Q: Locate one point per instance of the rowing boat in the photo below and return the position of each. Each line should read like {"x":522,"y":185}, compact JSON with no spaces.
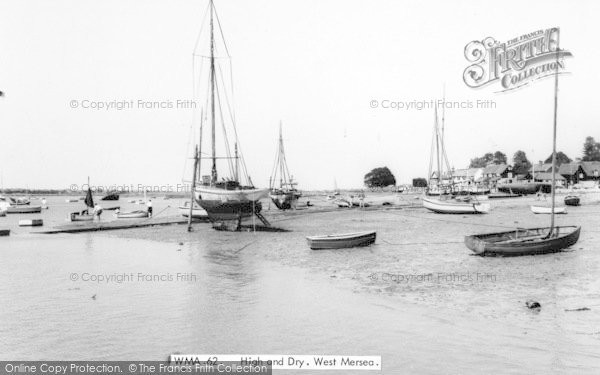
{"x":523,"y":241}
{"x":24,"y":209}
{"x":132,"y":215}
{"x":341,"y":241}
{"x":548,"y":210}
{"x":572,"y":200}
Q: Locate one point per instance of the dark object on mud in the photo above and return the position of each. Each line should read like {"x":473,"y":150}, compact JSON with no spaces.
{"x":572,"y":200}
{"x":110,"y":197}
{"x":579,"y":309}
{"x":533,"y":305}
{"x":247,"y":228}
{"x":4,"y":232}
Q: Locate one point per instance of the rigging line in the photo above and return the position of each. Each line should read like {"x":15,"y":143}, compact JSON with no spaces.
{"x":201,"y":28}
{"x":226,"y":138}
{"x":233,"y":121}
{"x":221,"y":31}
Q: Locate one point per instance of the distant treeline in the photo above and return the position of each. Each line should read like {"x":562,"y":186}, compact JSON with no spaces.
{"x":591,"y":152}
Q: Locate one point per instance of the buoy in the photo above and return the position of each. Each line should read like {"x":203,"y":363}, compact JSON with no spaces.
{"x":31,"y":223}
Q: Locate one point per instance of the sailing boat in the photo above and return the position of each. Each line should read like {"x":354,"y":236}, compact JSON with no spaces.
{"x":85,"y":214}
{"x":536,"y":240}
{"x":286,"y":195}
{"x":436,"y":186}
{"x":226,"y":199}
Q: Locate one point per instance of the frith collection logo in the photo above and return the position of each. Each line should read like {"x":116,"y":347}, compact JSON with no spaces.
{"x":515,"y":63}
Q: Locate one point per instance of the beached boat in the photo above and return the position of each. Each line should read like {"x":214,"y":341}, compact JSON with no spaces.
{"x":112,"y":208}
{"x":523,"y":241}
{"x":71,"y":200}
{"x":132,"y":215}
{"x":223,"y":199}
{"x":503,"y":195}
{"x":530,"y":241}
{"x":110,"y":197}
{"x":285,"y":196}
{"x":548,"y":210}
{"x":4,"y":232}
{"x":197,"y":211}
{"x":572,"y":200}
{"x":341,"y":241}
{"x":524,"y":187}
{"x":455,"y":207}
{"x":78,"y":216}
{"x":24,"y":209}
{"x":31,"y":223}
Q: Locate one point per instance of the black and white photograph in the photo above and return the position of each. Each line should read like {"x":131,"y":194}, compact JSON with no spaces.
{"x":299,"y":187}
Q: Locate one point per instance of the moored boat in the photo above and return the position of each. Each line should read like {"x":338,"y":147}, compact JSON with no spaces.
{"x":31,"y":223}
{"x":110,"y":197}
{"x":78,"y":216}
{"x":341,"y":241}
{"x":132,"y":214}
{"x":455,"y":207}
{"x":223,"y":199}
{"x":523,"y":241}
{"x":285,"y":196}
{"x":548,"y":210}
{"x":4,"y":232}
{"x":503,"y":195}
{"x":572,"y":200}
{"x":24,"y":209}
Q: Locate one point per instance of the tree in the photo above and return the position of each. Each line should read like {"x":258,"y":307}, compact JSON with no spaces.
{"x":520,"y":163}
{"x":591,"y":150}
{"x":561,"y":158}
{"x":500,"y":158}
{"x":419,"y":182}
{"x":379,"y":177}
{"x":497,"y":157}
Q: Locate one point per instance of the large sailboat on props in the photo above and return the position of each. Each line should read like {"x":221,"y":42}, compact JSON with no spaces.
{"x":284,"y":194}
{"x":225,"y":199}
{"x":523,"y":241}
{"x":440,"y":184}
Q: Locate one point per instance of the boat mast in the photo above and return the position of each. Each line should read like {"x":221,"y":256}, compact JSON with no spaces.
{"x":437,"y":148}
{"x":212,"y":96}
{"x":554,"y":136}
{"x":281,"y":169}
{"x":443,"y":153}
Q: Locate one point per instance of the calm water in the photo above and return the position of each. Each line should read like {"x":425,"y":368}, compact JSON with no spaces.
{"x":261,"y":293}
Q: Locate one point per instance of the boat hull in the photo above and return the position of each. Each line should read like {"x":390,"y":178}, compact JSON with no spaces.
{"x":446,"y":207}
{"x":285,"y":201}
{"x":24,"y":209}
{"x":132,"y":215}
{"x":548,"y":210}
{"x":224,"y":205}
{"x":523,"y":241}
{"x":78,"y":217}
{"x":525,"y":188}
{"x":342,"y":241}
{"x":572,"y":201}
{"x":110,"y":197}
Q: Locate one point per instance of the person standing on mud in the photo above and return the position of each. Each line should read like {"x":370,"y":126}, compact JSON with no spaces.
{"x":149,"y":205}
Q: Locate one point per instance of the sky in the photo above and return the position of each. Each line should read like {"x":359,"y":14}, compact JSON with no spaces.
{"x":315,"y":66}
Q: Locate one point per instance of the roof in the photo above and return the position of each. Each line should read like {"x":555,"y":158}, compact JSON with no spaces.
{"x":495,"y":169}
{"x":546,"y":167}
{"x":547,"y":176}
{"x":589,"y":167}
{"x":568,"y":169}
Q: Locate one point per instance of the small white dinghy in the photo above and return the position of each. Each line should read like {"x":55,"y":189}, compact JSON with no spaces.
{"x":132,"y":215}
{"x":548,"y":210}
{"x":455,"y":207}
{"x":341,"y":241}
{"x":31,"y":223}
